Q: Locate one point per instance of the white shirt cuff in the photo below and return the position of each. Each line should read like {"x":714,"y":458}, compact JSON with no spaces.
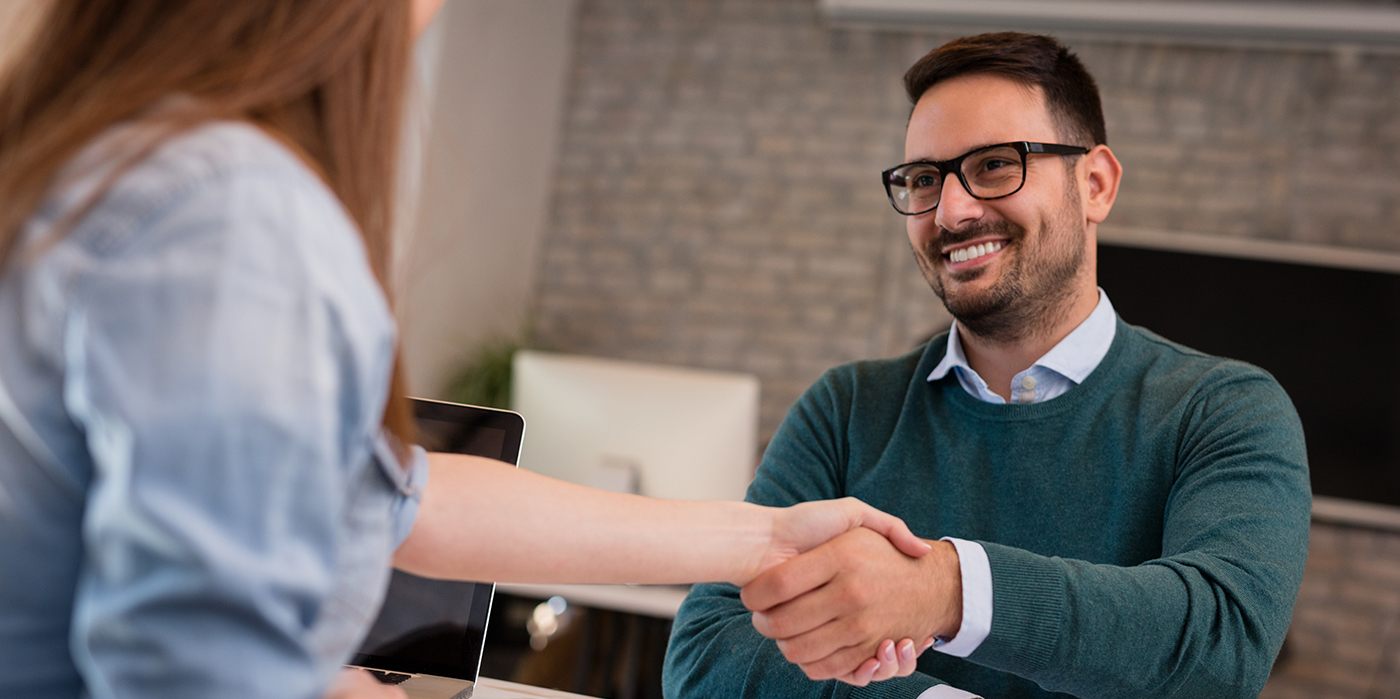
{"x":944,"y":691}
{"x":977,"y":601}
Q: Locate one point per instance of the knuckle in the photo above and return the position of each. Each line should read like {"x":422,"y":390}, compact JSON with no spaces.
{"x":784,"y":586}
{"x":823,"y":670}
{"x":792,"y":651}
{"x":828,"y":668}
{"x":762,"y":624}
{"x":859,"y":595}
{"x":747,"y":596}
{"x":778,"y":627}
{"x":758,"y":596}
{"x":781,"y":627}
{"x":862,"y":627}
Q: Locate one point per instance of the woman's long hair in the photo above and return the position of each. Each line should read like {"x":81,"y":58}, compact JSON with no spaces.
{"x":326,"y":77}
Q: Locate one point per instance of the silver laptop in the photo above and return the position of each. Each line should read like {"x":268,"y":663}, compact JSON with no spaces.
{"x":429,"y":635}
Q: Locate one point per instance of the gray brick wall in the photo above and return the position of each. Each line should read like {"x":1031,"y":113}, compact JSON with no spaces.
{"x":717,"y":201}
{"x":1345,"y":639}
{"x":717,"y":205}
{"x":1300,"y":147}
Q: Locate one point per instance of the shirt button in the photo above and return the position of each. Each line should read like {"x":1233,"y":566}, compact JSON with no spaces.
{"x":1028,"y":382}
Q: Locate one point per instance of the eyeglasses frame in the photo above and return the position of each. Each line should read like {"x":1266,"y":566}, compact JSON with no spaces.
{"x":954,"y":166}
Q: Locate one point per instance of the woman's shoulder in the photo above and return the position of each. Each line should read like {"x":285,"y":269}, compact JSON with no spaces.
{"x":216,"y":150}
{"x":220,"y":201}
{"x":132,"y":175}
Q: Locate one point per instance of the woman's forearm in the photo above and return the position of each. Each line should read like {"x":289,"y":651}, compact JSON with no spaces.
{"x":484,"y":520}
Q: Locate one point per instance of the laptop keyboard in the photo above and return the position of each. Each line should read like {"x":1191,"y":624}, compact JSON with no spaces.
{"x":390,"y":677}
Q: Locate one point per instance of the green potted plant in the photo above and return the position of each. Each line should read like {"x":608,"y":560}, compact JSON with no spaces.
{"x":484,"y":378}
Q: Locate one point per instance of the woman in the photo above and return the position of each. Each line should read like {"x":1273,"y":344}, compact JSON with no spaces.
{"x":204,"y":468}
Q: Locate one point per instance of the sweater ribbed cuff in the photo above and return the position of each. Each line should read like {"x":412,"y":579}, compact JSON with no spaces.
{"x":893,"y":688}
{"x":1029,"y":601}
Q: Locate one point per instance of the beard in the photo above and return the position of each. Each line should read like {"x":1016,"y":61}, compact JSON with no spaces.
{"x":1036,"y":282}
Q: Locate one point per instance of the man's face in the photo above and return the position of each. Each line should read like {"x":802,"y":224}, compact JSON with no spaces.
{"x":1036,"y":236}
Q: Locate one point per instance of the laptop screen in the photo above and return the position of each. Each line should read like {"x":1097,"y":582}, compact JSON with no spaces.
{"x":436,"y":627}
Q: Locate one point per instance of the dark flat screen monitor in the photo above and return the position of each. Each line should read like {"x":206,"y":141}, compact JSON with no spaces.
{"x":1329,"y":332}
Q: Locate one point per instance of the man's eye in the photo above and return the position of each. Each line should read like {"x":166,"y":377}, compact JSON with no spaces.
{"x":924,"y":180}
{"x":996,"y":164}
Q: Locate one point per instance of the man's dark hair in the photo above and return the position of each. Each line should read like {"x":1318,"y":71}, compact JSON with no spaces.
{"x":1030,"y":59}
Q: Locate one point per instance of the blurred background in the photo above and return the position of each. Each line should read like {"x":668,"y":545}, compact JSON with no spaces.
{"x":694,"y":183}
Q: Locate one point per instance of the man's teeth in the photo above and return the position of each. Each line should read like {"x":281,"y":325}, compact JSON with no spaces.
{"x":973,"y":252}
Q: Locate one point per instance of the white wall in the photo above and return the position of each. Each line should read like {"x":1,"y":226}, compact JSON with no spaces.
{"x":495,"y":103}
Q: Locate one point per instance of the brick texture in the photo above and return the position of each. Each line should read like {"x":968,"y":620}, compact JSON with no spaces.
{"x":717,"y":201}
{"x":1345,"y":639}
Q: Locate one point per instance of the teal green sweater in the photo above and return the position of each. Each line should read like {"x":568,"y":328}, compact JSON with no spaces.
{"x":1146,"y":530}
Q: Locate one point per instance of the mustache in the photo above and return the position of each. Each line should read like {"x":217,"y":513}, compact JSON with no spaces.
{"x":981,"y":229}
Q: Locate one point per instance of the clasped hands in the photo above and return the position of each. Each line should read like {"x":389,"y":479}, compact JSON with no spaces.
{"x":834,"y":609}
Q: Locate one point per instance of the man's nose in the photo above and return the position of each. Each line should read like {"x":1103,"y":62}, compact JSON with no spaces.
{"x":956,"y":207}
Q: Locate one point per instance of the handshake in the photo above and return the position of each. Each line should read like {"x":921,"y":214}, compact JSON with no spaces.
{"x":841,"y":581}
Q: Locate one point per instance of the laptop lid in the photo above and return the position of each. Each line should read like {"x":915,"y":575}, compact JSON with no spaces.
{"x":436,"y":627}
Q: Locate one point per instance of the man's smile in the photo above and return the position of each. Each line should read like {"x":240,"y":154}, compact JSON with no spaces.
{"x":973,"y":253}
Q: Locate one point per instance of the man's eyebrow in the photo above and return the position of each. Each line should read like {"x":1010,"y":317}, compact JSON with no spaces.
{"x":928,"y":159}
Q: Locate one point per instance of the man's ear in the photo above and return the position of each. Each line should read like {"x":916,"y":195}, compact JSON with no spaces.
{"x":1102,"y":173}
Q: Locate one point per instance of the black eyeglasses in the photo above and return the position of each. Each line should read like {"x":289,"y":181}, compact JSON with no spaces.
{"x":989,"y":172}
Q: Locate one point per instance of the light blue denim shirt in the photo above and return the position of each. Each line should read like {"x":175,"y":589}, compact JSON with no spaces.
{"x":195,"y":496}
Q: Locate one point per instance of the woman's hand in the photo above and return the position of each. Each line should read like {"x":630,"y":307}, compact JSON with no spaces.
{"x":358,"y":684}
{"x":810,"y":524}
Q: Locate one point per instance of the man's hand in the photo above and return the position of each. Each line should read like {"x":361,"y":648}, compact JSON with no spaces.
{"x":830,"y":608}
{"x":358,"y":684}
{"x":807,"y":525}
{"x":891,"y":660}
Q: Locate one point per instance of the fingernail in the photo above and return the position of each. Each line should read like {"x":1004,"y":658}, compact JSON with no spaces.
{"x":889,"y":653}
{"x":907,"y":650}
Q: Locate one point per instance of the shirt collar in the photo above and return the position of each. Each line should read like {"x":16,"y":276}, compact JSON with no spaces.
{"x":954,"y":357}
{"x":1074,"y":357}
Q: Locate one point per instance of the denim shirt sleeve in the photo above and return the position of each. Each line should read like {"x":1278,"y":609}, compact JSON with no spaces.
{"x":410,"y":478}
{"x":226,"y":354}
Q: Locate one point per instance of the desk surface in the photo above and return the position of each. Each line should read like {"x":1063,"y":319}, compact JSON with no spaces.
{"x":487,"y":688}
{"x":424,"y":687}
{"x":659,"y":601}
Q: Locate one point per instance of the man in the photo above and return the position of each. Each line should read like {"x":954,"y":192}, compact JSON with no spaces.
{"x":1126,"y":517}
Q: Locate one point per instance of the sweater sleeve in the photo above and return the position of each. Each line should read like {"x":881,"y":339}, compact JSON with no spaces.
{"x":1207,"y":618}
{"x":714,"y":649}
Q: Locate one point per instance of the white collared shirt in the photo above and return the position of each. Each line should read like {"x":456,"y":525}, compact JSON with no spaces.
{"x":1065,"y":366}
